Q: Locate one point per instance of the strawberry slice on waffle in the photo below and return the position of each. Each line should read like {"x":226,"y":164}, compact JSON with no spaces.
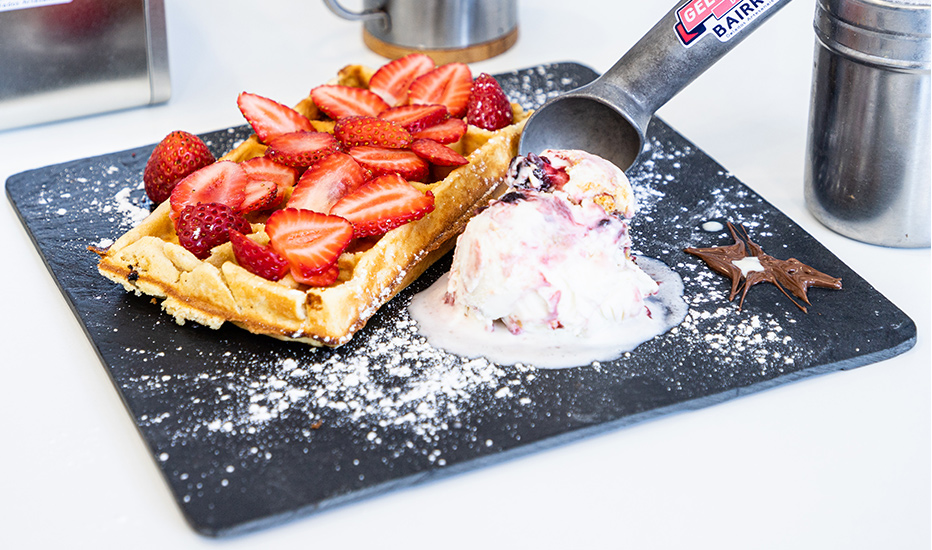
{"x":301,"y":149}
{"x":257,"y":259}
{"x":392,"y":80}
{"x":310,"y":242}
{"x":222,"y":182}
{"x":270,"y":118}
{"x":266,"y":169}
{"x":381,"y":160}
{"x":326,"y":182}
{"x":366,"y":130}
{"x":338,"y":101}
{"x":448,"y":85}
{"x":260,"y":195}
{"x":449,"y":131}
{"x":437,"y":153}
{"x":415,"y":118}
{"x":383,"y":204}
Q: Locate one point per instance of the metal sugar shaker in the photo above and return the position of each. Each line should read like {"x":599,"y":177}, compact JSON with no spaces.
{"x":867,"y":171}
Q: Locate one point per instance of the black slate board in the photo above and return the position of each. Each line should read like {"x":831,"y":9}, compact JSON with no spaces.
{"x":249,"y":431}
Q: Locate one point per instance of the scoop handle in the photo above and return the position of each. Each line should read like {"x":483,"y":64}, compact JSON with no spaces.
{"x":689,"y":39}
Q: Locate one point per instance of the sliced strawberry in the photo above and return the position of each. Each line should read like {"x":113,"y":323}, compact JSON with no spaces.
{"x":260,"y":195}
{"x":448,"y":131}
{"x":269,"y":118}
{"x":178,"y":154}
{"x":488,"y":106}
{"x":311,"y":242}
{"x":264,"y":168}
{"x":392,"y":80}
{"x":437,"y":153}
{"x":326,"y":182}
{"x":367,"y":130}
{"x":200,"y":227}
{"x":257,"y":259}
{"x":301,"y":149}
{"x":222,"y":182}
{"x":391,"y":161}
{"x":324,"y":278}
{"x":415,"y":118}
{"x":447,"y":85}
{"x":383,"y":204}
{"x":340,"y":101}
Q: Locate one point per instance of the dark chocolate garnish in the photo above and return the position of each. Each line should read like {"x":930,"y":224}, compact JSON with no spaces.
{"x":791,"y":274}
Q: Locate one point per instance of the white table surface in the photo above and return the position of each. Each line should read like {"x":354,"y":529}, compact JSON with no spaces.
{"x":838,"y":461}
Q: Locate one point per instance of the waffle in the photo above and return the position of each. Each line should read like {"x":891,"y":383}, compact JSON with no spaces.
{"x":148,"y":259}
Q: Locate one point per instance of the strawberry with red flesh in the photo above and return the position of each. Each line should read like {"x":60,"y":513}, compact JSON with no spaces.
{"x":326,"y":182}
{"x":415,"y":118}
{"x":383,"y":204}
{"x":381,"y":160}
{"x":310,"y":242}
{"x":338,"y":101}
{"x":222,"y":182}
{"x":448,"y":85}
{"x":257,"y":259}
{"x":260,"y":195}
{"x":449,"y":131}
{"x":179,"y":154}
{"x":488,"y":106}
{"x":301,"y":149}
{"x":392,"y":80}
{"x":201,"y":227}
{"x":268,"y":184}
{"x":437,"y":153}
{"x":366,"y":130}
{"x":324,"y":278}
{"x":266,"y":169}
{"x":269,"y":118}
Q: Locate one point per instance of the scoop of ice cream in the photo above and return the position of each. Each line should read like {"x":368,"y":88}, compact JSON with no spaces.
{"x":581,"y":175}
{"x":554,"y":258}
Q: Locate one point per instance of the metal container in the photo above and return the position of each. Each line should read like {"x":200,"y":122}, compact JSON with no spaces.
{"x":868,"y":171}
{"x":447,"y":30}
{"x":61,"y":59}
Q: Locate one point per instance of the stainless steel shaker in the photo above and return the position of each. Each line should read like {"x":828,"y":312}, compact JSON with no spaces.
{"x":67,"y":59}
{"x":868,"y":157}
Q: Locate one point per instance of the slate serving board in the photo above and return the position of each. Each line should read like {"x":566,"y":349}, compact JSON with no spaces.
{"x":249,"y":431}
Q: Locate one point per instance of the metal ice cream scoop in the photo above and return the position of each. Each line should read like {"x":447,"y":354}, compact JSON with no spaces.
{"x":609,"y":116}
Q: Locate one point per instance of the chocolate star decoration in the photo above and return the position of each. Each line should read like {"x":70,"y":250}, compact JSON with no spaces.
{"x":746,"y":263}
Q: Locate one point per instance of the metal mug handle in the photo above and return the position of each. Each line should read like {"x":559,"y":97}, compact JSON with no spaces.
{"x":376,"y":14}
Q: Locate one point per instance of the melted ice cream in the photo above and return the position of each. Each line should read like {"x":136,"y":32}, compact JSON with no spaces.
{"x":550,"y":263}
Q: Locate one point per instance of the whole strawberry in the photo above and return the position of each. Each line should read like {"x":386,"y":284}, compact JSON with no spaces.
{"x":176,"y":156}
{"x":202,"y":226}
{"x":488,"y":105}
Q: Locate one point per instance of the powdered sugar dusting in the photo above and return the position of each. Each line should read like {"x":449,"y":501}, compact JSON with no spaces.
{"x":232,"y":418}
{"x":396,"y":393}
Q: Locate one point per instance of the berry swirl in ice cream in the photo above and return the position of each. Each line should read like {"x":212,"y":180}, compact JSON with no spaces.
{"x":551,"y":259}
{"x":549,"y":254}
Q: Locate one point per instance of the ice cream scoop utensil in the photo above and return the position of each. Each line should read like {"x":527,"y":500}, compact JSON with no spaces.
{"x":609,"y":116}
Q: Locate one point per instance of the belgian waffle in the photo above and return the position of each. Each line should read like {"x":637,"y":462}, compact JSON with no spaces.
{"x":149,"y":260}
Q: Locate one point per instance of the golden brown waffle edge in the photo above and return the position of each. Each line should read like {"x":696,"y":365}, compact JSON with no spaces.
{"x":148,"y":259}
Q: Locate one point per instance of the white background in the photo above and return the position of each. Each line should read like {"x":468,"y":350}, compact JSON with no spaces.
{"x":839,"y":461}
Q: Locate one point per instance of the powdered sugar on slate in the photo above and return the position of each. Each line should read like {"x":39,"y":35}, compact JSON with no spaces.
{"x":389,"y":389}
{"x":390,"y":395}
